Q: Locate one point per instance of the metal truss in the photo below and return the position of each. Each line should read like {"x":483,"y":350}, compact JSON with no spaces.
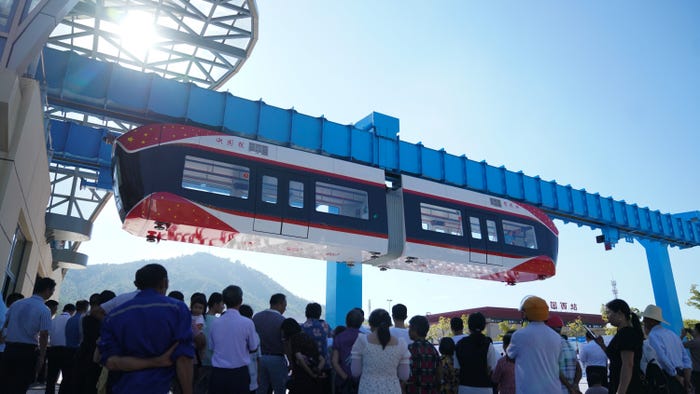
{"x":117,"y":125}
{"x":70,"y":198}
{"x":200,"y":41}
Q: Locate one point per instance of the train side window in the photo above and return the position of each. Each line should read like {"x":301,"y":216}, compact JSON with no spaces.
{"x":441,"y":219}
{"x":475,"y":227}
{"x":269,"y":189}
{"x":211,"y":176}
{"x":492,"y":232}
{"x":341,"y":200}
{"x":519,"y":234}
{"x":296,"y":194}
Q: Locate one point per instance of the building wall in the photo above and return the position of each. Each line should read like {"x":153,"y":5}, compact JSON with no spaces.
{"x":24,"y":179}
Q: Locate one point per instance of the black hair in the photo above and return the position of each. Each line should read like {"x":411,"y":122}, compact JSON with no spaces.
{"x":589,"y":335}
{"x":313,"y":310}
{"x":447,"y":346}
{"x":338,"y":329}
{"x":697,"y":327}
{"x":290,"y":327}
{"x":246,"y":311}
{"x":199,"y":298}
{"x":506,"y":338}
{"x":476,"y":322}
{"x":82,"y":305}
{"x":233,"y":296}
{"x":106,"y":295}
{"x":618,"y":305}
{"x":95,"y":299}
{"x":456,"y":324}
{"x":380,"y":320}
{"x":214,"y":298}
{"x":399,"y":311}
{"x":12,"y":298}
{"x":51,"y":304}
{"x":70,"y":308}
{"x":277,"y":299}
{"x":354,"y":318}
{"x":44,"y":284}
{"x":150,"y":276}
{"x":594,"y":377}
{"x":176,"y":294}
{"x":419,"y":325}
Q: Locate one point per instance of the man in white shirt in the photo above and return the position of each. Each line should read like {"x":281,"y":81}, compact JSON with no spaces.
{"x":57,"y":354}
{"x":399,"y":313}
{"x":672,"y":357}
{"x":457,"y":327}
{"x":536,"y":349}
{"x":594,"y":361}
{"x":233,"y":338}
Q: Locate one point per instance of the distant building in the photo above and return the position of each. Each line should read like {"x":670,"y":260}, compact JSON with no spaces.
{"x":495,"y":315}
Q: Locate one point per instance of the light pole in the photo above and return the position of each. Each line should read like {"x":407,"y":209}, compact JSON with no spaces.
{"x":389,"y":301}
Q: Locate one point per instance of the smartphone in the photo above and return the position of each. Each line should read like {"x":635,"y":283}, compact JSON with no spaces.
{"x":590,"y":332}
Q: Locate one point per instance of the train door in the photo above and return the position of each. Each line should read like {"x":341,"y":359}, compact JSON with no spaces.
{"x":483,"y":239}
{"x":280,"y":205}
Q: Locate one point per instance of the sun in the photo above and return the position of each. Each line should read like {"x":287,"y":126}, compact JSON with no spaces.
{"x":137,"y":32}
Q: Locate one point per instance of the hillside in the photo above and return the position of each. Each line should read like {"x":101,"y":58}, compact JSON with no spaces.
{"x":200,"y":272}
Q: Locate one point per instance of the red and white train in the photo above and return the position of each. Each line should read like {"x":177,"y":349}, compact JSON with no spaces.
{"x":183,"y":183}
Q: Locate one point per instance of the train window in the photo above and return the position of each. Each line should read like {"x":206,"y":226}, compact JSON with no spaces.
{"x":475,"y":227}
{"x":269,"y":189}
{"x":341,"y":200}
{"x":518,"y":234}
{"x":296,"y":194}
{"x":441,"y":219}
{"x":216,"y":177}
{"x":491,"y":228}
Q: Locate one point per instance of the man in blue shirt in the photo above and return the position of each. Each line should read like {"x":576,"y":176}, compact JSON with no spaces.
{"x":146,"y":327}
{"x":26,"y":319}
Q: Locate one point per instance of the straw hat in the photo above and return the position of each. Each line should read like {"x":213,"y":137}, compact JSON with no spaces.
{"x":653,"y":312}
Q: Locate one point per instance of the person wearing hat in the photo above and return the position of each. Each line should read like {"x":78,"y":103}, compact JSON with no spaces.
{"x":672,"y":357}
{"x":569,"y":369}
{"x":535,"y":349}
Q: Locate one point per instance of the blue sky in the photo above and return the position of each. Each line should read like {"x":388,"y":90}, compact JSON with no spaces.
{"x":603,"y":96}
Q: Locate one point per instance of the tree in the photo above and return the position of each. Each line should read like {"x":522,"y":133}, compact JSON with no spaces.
{"x":575,"y":328}
{"x":694,"y":299}
{"x":442,"y":329}
{"x":503,"y":328}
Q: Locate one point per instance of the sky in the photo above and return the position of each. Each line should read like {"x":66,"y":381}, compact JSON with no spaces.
{"x":599,"y":95}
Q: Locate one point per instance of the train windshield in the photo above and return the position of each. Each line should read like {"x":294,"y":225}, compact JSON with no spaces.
{"x":519,"y":234}
{"x":215,"y":177}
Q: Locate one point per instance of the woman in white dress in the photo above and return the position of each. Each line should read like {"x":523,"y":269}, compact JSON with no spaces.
{"x":379,"y":359}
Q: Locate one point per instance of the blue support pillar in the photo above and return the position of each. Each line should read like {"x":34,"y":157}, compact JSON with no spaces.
{"x":662,"y":281}
{"x":343,"y":291}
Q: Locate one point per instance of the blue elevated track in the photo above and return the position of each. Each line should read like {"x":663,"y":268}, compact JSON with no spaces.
{"x":103,"y":89}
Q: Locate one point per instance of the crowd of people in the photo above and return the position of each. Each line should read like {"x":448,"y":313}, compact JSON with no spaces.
{"x":146,"y":342}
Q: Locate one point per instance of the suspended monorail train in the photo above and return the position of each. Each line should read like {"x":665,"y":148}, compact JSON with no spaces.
{"x":187,"y":184}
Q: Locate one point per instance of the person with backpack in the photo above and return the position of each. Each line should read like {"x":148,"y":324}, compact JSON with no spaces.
{"x":671,"y":355}
{"x":653,"y":377}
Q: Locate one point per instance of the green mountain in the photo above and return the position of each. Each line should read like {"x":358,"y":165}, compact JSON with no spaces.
{"x":200,"y":272}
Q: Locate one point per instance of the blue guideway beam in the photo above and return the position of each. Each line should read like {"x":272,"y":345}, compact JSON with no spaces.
{"x":83,"y":147}
{"x":105,"y":89}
